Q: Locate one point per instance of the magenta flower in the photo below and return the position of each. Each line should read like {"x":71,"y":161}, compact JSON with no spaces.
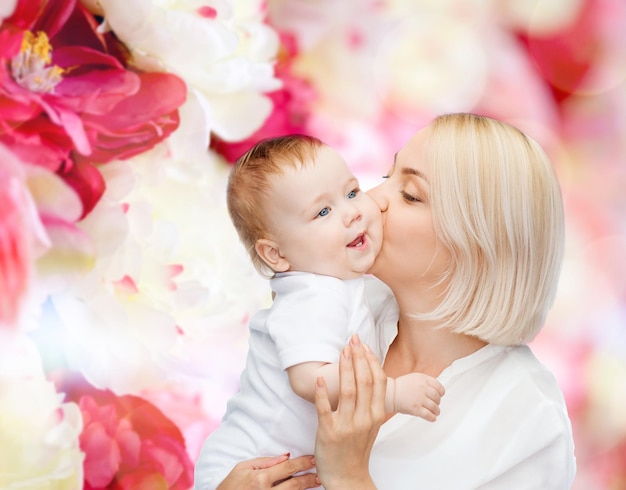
{"x":128,"y":442}
{"x":68,"y":99}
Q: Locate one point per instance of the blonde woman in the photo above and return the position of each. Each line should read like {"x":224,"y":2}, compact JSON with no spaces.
{"x":473,"y":233}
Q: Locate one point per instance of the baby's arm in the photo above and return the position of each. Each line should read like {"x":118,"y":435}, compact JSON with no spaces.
{"x":303,"y":378}
{"x":413,"y":394}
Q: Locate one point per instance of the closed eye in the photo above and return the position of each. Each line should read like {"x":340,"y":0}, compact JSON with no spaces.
{"x":409,"y":198}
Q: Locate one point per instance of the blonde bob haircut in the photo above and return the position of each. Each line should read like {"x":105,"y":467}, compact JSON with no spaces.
{"x":497,"y":207}
{"x":249,"y":186}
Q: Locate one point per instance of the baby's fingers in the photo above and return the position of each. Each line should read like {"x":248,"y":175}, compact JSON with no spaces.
{"x":435,"y":384}
{"x":430,"y":410}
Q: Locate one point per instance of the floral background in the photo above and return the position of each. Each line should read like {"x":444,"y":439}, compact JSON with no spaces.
{"x":124,"y":292}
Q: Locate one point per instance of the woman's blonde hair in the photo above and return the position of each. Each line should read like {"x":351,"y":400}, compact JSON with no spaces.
{"x":249,"y":185}
{"x":497,"y":207}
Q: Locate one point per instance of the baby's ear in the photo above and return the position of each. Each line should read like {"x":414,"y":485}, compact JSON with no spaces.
{"x":268,"y":251}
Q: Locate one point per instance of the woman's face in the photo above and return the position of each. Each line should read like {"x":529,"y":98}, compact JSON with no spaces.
{"x":410,"y":255}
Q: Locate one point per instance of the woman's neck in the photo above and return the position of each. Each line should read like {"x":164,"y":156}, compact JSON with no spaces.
{"x":421,"y":346}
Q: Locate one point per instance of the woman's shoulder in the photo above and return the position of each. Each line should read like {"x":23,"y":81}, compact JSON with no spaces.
{"x":507,"y":375}
{"x":534,"y":373}
{"x":518,"y":379}
{"x":541,"y":421}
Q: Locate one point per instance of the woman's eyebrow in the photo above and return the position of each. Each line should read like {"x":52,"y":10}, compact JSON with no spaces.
{"x":413,"y":171}
{"x":410,"y":170}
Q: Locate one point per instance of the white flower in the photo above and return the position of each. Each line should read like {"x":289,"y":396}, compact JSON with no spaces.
{"x":223,"y":52}
{"x":39,"y":435}
{"x":171,"y":287}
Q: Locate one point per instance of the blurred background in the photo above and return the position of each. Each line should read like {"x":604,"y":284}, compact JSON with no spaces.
{"x":124,"y":292}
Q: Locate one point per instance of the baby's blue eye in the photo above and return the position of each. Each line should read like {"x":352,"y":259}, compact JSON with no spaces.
{"x":352,"y":194}
{"x":324,"y":211}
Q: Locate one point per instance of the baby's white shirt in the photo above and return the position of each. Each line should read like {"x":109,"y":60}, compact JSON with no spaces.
{"x":311,"y":319}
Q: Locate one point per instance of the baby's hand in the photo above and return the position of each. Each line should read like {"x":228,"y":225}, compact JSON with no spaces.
{"x":418,"y":394}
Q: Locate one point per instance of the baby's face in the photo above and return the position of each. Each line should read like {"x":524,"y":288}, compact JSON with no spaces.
{"x":322,"y":221}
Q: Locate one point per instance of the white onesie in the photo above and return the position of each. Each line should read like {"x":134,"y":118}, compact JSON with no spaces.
{"x":312,"y":319}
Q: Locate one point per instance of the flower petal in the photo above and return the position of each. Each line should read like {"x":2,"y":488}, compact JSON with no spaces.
{"x":88,"y":183}
{"x":237,"y":115}
{"x":39,"y":435}
{"x":139,"y":121}
{"x":6,"y":9}
{"x":103,"y":456}
{"x":53,"y":196}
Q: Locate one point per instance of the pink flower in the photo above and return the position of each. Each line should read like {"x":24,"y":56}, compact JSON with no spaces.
{"x":68,"y":99}
{"x":129,"y":443}
{"x":587,"y":55}
{"x":137,"y":122}
{"x":14,"y":238}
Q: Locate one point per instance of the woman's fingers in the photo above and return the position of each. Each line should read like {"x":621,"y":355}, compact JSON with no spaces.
{"x":379,"y":385}
{"x":264,"y":462}
{"x":345,"y":437}
{"x":322,"y":403}
{"x":363,"y":375}
{"x":347,"y":385}
{"x":299,"y":482}
{"x":370,"y":383}
{"x":289,"y":467}
{"x":272,"y":472}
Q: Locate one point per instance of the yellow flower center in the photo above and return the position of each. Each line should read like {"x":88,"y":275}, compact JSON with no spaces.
{"x":31,"y":66}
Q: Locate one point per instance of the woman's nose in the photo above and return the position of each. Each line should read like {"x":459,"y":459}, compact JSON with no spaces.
{"x":378,"y":195}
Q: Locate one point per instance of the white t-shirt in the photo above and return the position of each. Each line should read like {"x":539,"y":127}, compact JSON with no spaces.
{"x":503,"y":423}
{"x":312,"y":318}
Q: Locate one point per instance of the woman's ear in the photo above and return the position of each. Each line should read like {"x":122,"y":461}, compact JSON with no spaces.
{"x":268,"y":251}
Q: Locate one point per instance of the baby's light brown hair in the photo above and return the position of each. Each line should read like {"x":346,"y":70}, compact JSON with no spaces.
{"x":249,"y":186}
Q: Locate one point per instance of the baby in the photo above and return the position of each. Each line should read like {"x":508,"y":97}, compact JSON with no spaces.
{"x":308,"y":227}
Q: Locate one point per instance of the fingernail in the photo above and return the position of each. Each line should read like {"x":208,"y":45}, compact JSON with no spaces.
{"x":313,"y":460}
{"x":354,"y":340}
{"x":317,"y":481}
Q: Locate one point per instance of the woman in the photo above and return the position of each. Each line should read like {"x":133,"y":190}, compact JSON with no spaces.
{"x":473,"y":243}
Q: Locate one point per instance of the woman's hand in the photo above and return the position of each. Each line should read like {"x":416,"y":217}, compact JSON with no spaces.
{"x":345,"y":437}
{"x":271,"y":473}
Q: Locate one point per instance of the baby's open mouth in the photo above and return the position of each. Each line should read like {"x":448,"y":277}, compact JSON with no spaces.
{"x":358,"y":241}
